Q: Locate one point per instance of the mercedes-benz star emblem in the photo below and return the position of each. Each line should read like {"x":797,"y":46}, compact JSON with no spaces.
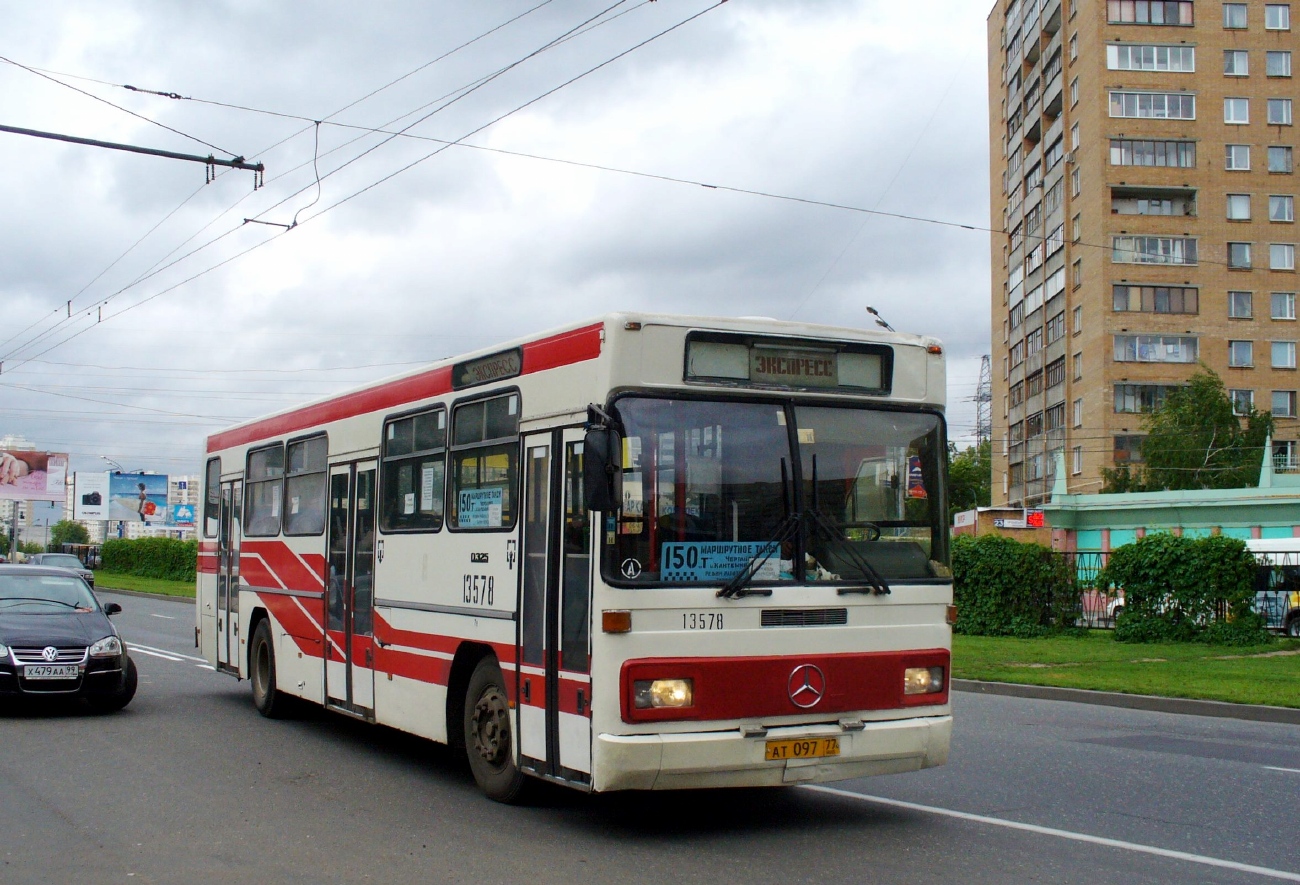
{"x":807,"y":685}
{"x":50,"y":653}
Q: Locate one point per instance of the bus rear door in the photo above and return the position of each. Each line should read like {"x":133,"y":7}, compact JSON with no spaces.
{"x":228,"y":535}
{"x":349,"y":624}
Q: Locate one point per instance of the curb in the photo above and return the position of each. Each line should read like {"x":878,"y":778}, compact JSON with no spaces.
{"x":1152,"y":703}
{"x":143,"y":595}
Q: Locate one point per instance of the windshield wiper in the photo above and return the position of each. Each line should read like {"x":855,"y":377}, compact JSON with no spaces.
{"x":38,"y":599}
{"x":736,"y":587}
{"x":877,"y":582}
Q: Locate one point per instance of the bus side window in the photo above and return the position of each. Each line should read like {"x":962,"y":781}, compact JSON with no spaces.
{"x":212,"y":498}
{"x":305,"y":486}
{"x":414,"y":472}
{"x":264,"y":478}
{"x":485,"y":463}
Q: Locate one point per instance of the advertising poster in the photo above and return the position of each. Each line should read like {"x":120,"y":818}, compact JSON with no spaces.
{"x":138,"y":497}
{"x":90,"y":495}
{"x":182,"y":515}
{"x":33,"y":476}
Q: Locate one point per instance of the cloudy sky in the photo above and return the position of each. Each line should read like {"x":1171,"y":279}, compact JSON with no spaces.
{"x":140,"y":311}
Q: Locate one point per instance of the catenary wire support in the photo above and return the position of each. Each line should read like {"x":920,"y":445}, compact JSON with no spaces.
{"x":210,"y":161}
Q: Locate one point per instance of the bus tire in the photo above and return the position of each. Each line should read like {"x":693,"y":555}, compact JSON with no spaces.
{"x":1293,"y":626}
{"x":268,"y":699}
{"x":489,"y":743}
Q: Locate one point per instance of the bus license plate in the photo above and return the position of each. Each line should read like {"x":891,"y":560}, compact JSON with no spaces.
{"x":50,"y":671}
{"x":806,"y":748}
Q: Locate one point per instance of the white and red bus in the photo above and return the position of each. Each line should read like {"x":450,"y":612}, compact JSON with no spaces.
{"x":643,"y":552}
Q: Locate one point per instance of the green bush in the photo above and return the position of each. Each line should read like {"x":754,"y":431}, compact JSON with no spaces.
{"x":1185,"y":589}
{"x":1004,"y":587}
{"x":166,"y":558}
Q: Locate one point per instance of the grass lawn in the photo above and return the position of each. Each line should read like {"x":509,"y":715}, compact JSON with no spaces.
{"x":1268,"y":674}
{"x":106,"y":580}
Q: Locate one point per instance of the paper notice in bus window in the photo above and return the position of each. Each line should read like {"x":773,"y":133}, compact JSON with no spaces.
{"x":710,"y":561}
{"x":426,"y":488}
{"x":479,"y":509}
{"x":633,"y":496}
{"x":408,"y":503}
{"x":293,"y":504}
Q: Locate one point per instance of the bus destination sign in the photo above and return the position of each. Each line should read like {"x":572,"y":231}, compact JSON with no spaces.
{"x":794,"y":368}
{"x":487,"y":369}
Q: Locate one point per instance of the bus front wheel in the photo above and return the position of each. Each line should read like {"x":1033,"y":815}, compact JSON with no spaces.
{"x":268,"y":699}
{"x":488,"y":738}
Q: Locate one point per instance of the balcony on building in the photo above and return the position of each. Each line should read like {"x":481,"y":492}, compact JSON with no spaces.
{"x":1051,"y":16}
{"x":1154,"y":201}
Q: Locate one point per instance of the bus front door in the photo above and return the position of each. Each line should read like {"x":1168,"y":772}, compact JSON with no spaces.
{"x":554,"y":676}
{"x":228,"y":535}
{"x":349,"y":616}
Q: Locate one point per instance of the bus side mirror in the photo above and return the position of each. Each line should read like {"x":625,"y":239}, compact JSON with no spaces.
{"x":602,"y":470}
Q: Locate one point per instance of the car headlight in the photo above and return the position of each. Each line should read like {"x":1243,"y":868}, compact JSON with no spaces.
{"x":4,"y":650}
{"x":108,"y":647}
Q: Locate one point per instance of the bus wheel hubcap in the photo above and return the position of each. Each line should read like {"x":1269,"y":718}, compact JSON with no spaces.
{"x":491,"y":727}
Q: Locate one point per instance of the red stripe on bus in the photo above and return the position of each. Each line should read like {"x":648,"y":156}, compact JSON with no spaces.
{"x":295,"y":573}
{"x":750,"y":688}
{"x":575,"y":346}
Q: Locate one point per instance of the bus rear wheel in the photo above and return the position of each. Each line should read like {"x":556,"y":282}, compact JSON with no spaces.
{"x":489,"y":743}
{"x":268,"y":699}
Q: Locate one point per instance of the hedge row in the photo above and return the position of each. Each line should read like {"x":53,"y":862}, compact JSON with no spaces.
{"x":1185,"y":589}
{"x":1003,"y":587}
{"x":166,"y":558}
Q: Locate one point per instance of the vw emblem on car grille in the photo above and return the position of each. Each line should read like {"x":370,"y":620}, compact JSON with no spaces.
{"x":807,"y":685}
{"x":50,"y":653}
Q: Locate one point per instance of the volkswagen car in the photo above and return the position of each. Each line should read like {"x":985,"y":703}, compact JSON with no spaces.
{"x":56,"y":640}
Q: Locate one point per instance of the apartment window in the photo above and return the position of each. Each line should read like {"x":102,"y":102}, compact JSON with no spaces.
{"x":1033,"y":342}
{"x":1056,"y":239}
{"x":1078,"y":319}
{"x":1241,"y":354}
{"x":1077,"y":465}
{"x":1127,"y":449}
{"x":1017,"y":236}
{"x":1239,"y":256}
{"x":1153,"y":105}
{"x":1017,"y":353}
{"x":1284,"y":404}
{"x":1054,"y":417}
{"x":1279,"y":112}
{"x":1277,"y":16}
{"x":1238,"y":157}
{"x":1074,"y":92}
{"x":1243,"y":401}
{"x":1074,"y":46}
{"x":1078,"y":273}
{"x":1150,"y":12}
{"x":1055,"y":373}
{"x":1017,"y":315}
{"x":1284,"y":354}
{"x":1078,"y":413}
{"x":1016,"y":394}
{"x":1153,"y":250}
{"x":1078,"y":366}
{"x":1034,"y":177}
{"x":1234,"y":15}
{"x":1076,"y":229}
{"x":1279,"y":158}
{"x":1239,"y":306}
{"x":1281,"y":256}
{"x":1127,"y":298}
{"x":1236,"y":111}
{"x":1236,"y":62}
{"x":1142,"y":201}
{"x":1282,"y":306}
{"x":1074,"y":137}
{"x":1055,"y":332}
{"x":1054,"y":154}
{"x":1281,"y":207}
{"x":1239,"y":207}
{"x":1277,"y":63}
{"x":1052,"y":201}
{"x":1154,"y":349}
{"x":1130,"y":152}
{"x":1140,"y":57}
{"x":1138,"y":398}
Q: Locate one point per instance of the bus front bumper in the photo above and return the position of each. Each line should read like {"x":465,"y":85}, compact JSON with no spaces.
{"x":730,"y":759}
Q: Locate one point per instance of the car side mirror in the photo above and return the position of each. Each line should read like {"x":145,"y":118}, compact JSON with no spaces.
{"x":112,"y":608}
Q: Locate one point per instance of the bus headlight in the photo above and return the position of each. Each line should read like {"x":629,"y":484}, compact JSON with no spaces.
{"x":647,"y":693}
{"x":922,"y":680}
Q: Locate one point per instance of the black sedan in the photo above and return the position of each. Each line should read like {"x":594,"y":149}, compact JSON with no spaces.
{"x":63,"y":560}
{"x":56,"y":640}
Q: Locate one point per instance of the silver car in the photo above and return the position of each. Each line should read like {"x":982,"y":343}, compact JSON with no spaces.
{"x":63,"y":560}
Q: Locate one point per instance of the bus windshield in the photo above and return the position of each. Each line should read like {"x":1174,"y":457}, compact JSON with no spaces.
{"x":805,"y":493}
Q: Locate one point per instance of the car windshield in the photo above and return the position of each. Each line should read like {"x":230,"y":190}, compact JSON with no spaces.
{"x":44,"y":594}
{"x":710,"y":489}
{"x":61,"y":560}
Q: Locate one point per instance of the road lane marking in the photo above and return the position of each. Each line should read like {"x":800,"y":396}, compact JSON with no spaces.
{"x":1064,"y":834}
{"x":206,"y":667}
{"x":164,"y":617}
{"x":164,"y":652}
{"x":1288,"y":770}
{"x":154,"y":654}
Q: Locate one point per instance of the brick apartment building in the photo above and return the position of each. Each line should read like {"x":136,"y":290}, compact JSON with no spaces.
{"x":1142,"y":171}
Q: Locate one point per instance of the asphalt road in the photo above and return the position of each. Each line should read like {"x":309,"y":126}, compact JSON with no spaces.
{"x":190,"y":785}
